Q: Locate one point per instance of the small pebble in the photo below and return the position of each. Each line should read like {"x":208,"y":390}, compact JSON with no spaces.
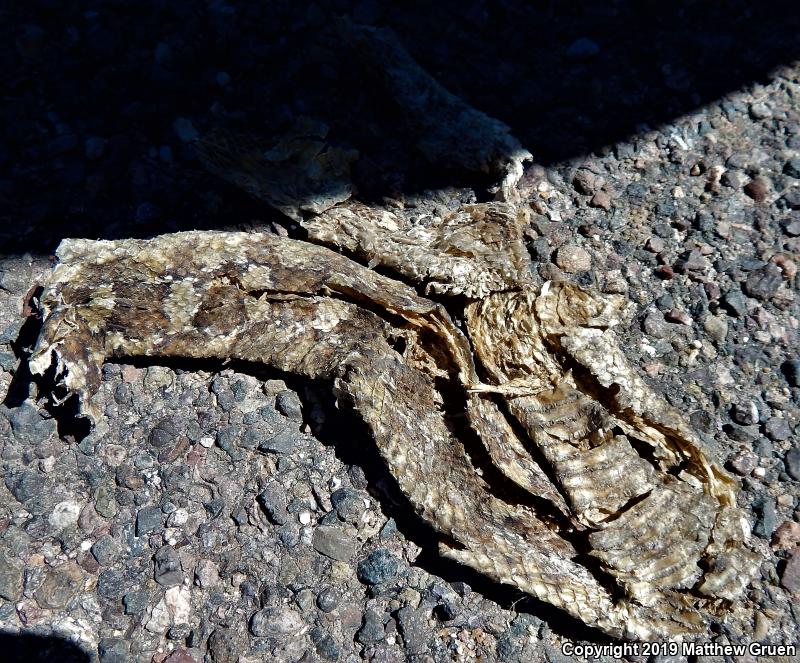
{"x":716,"y":327}
{"x":678,"y":316}
{"x":601,"y":200}
{"x":777,"y":429}
{"x":764,"y":282}
{"x":745,"y":413}
{"x":758,"y":189}
{"x":790,"y":577}
{"x":584,"y":181}
{"x":792,"y":167}
{"x":786,"y":536}
{"x":583,"y":48}
{"x":379,"y":566}
{"x":791,"y":226}
{"x":792,"y":463}
{"x":573,"y":259}
{"x":744,"y":462}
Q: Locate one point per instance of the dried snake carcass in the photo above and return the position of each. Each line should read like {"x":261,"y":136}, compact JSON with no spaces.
{"x":631,"y":527}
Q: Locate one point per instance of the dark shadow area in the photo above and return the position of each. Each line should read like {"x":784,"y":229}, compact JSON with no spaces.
{"x":29,"y":648}
{"x":101,"y":98}
{"x":19,"y":388}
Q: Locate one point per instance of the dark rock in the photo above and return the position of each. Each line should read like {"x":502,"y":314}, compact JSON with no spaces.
{"x":371,"y":630}
{"x":199,"y":635}
{"x":758,"y":189}
{"x":541,"y":250}
{"x":273,"y":502}
{"x":29,"y":425}
{"x":764,"y":282}
{"x":790,"y":577}
{"x":584,"y":181}
{"x":225,"y":396}
{"x":25,"y":485}
{"x":357,"y":477}
{"x":148,"y":519}
{"x":777,"y":429}
{"x":447,"y":602}
{"x":227,"y":437}
{"x":328,"y":599}
{"x":167,"y":568}
{"x":636,"y":193}
{"x":283,"y":442}
{"x":114,"y":650}
{"x":702,"y":421}
{"x":412,"y":622}
{"x":288,"y":403}
{"x":732,"y":178}
{"x":289,"y":535}
{"x":105,"y":550}
{"x":239,"y":516}
{"x":112,"y":584}
{"x":792,"y":168}
{"x":164,"y":432}
{"x":746,"y":434}
{"x":379,"y":566}
{"x":223,"y":646}
{"x":792,"y":463}
{"x":178,"y":632}
{"x":325,"y":645}
{"x":10,"y":578}
{"x":135,"y":602}
{"x":214,"y":507}
{"x":180,"y":655}
{"x":791,"y":198}
{"x":791,"y":370}
{"x":240,"y":390}
{"x":334,"y":542}
{"x":665,"y":302}
{"x":656,"y":326}
{"x":349,"y":504}
{"x":767,"y":518}
{"x":743,"y":462}
{"x":94,"y":147}
{"x":388,"y":530}
{"x":763,"y":447}
{"x":734,"y":303}
{"x":507,"y":648}
{"x":791,"y":226}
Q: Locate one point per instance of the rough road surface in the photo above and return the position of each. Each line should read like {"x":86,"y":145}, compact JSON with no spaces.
{"x":226,"y":515}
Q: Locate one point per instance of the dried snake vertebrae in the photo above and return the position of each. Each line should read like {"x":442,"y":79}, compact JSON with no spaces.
{"x":538,"y":372}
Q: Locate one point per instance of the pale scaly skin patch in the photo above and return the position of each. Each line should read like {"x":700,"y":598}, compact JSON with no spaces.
{"x":579,"y":454}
